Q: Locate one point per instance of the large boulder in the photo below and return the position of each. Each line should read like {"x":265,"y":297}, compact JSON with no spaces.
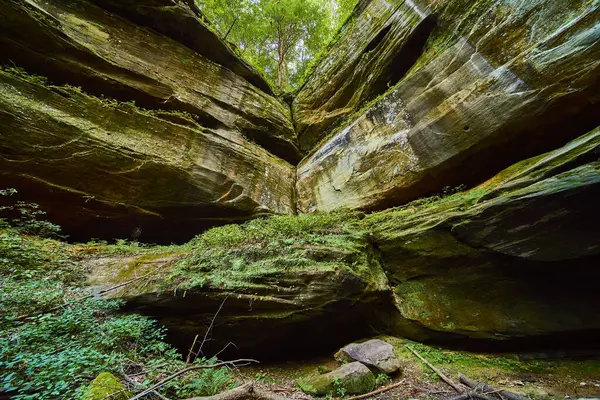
{"x":276,"y":288}
{"x":374,"y":353}
{"x":107,"y":170}
{"x":80,"y":43}
{"x":498,"y":82}
{"x":353,"y":378}
{"x":513,"y":260}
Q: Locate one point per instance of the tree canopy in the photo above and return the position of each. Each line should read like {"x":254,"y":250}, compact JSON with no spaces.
{"x":279,"y":37}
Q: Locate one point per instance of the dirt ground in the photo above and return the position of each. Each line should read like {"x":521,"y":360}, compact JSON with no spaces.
{"x":537,"y":379}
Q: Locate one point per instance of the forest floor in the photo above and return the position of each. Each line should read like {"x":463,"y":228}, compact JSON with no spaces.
{"x":536,"y":379}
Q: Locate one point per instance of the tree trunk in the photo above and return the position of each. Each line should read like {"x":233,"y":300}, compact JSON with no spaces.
{"x":280,"y":65}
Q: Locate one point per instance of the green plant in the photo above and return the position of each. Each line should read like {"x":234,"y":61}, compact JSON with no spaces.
{"x":25,"y":217}
{"x":54,"y":355}
{"x":382,"y":379}
{"x":206,"y":382}
{"x":338,"y":388}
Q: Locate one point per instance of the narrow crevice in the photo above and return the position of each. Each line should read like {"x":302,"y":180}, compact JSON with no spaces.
{"x":377,"y":39}
{"x":403,"y":61}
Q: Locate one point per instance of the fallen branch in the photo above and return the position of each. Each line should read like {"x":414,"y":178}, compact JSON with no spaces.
{"x":89,"y":296}
{"x":186,"y":370}
{"x":438,"y":372}
{"x":154,"y":392}
{"x":376,"y":392}
{"x":472,"y":395}
{"x":484,"y":387}
{"x":244,"y":392}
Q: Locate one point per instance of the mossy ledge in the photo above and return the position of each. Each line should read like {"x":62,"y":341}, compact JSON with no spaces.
{"x":421,"y":270}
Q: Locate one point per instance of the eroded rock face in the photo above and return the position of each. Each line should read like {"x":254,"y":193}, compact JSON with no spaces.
{"x":512,"y":259}
{"x":183,"y":22}
{"x":106,"y":170}
{"x":79,"y":43}
{"x":374,"y":49}
{"x":497,"y":83}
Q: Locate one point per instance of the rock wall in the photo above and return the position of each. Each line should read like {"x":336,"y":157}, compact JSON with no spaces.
{"x":512,"y":259}
{"x":411,"y":98}
{"x":497,"y":82}
{"x":80,"y":43}
{"x":373,"y":50}
{"x":510,"y":264}
{"x":161,"y":173}
{"x":107,"y":170}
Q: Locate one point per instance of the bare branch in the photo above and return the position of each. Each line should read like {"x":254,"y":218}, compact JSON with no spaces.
{"x":190,"y":369}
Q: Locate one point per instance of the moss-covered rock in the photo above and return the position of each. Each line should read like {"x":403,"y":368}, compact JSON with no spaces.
{"x":104,"y":169}
{"x":185,"y":23}
{"x":82,"y":44}
{"x":106,"y":385}
{"x":511,"y":259}
{"x":352,"y":378}
{"x":497,"y":82}
{"x":286,"y":283}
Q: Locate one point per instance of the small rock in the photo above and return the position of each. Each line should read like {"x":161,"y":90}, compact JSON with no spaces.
{"x":353,"y":378}
{"x":373,"y":353}
{"x":106,"y":385}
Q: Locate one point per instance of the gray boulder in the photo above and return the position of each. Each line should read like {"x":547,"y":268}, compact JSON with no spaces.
{"x":373,"y":353}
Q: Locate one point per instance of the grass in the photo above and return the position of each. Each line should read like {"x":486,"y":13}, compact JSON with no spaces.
{"x":235,"y":256}
{"x":559,"y":375}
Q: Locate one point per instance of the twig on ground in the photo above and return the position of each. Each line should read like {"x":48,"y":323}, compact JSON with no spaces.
{"x":225,"y":348}
{"x":378,"y":391}
{"x":472,"y":395}
{"x":190,"y":369}
{"x":484,"y":387}
{"x":438,"y":372}
{"x":244,"y":392}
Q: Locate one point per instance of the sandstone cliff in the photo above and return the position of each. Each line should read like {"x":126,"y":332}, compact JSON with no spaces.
{"x":133,"y":119}
{"x":496,"y":82}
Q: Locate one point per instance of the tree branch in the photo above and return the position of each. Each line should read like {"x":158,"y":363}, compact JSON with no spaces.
{"x":437,"y":371}
{"x":378,"y":391}
{"x":484,"y":387}
{"x":244,"y":392}
{"x":190,"y":369}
